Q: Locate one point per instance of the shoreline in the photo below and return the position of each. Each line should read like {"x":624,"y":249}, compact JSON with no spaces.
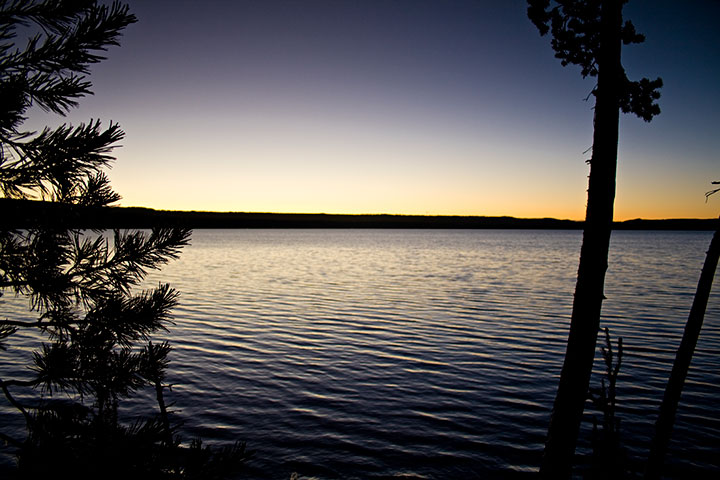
{"x":27,"y":213}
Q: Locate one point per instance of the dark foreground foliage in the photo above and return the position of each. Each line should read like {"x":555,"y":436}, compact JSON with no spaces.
{"x":91,"y":323}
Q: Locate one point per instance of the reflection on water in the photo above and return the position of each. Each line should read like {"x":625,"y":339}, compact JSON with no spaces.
{"x":374,"y":353}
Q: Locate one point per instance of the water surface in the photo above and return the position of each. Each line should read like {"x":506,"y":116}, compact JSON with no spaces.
{"x":382,"y":353}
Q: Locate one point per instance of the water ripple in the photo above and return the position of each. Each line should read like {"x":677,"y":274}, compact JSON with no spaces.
{"x":421,"y":354}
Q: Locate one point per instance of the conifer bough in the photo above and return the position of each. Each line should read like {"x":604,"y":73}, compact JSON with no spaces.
{"x":93,"y":327}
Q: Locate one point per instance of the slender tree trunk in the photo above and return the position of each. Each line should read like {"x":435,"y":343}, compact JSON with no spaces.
{"x":163,"y":413}
{"x":585,"y":321}
{"x":673,"y":390}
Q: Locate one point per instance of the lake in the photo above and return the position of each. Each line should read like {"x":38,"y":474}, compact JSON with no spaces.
{"x":421,"y":353}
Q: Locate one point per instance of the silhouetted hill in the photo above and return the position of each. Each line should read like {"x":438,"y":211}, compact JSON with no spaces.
{"x":25,"y":214}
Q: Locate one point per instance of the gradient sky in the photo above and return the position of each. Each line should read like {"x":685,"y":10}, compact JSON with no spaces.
{"x":397,"y":106}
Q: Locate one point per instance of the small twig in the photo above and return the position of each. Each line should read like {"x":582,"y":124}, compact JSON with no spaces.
{"x":14,"y":284}
{"x":15,"y":403}
{"x":17,"y":323}
{"x":163,"y":412}
{"x":711,"y":192}
{"x":590,"y":94}
{"x":39,"y":323}
{"x":19,"y":383}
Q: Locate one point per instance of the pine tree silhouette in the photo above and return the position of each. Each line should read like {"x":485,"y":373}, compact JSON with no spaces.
{"x":93,"y":326}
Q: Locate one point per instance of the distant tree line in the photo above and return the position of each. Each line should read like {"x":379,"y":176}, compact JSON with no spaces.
{"x":25,"y":214}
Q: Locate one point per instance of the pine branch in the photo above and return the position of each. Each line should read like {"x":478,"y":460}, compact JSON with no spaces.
{"x":54,"y":319}
{"x":639,"y":98}
{"x":132,"y":318}
{"x":97,"y":269}
{"x":57,"y":94}
{"x":80,"y":286}
{"x":575,"y":28}
{"x":75,"y":38}
{"x":57,"y":161}
{"x":56,"y":266}
{"x":96,"y":192}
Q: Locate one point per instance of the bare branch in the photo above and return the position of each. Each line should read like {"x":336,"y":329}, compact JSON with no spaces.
{"x":712,"y":192}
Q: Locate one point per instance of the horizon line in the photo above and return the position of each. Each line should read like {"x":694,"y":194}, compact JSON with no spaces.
{"x":421,"y":215}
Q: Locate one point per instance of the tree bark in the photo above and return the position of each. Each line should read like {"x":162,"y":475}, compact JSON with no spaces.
{"x":585,"y":321}
{"x":673,"y":390}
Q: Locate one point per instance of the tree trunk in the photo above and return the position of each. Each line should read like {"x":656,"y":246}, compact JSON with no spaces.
{"x":585,"y":321}
{"x":163,"y":413}
{"x":673,"y":390}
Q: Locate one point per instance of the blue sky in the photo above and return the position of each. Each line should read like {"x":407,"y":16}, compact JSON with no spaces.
{"x":397,"y":106}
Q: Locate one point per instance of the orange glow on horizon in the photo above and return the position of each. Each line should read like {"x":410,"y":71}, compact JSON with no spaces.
{"x":577,"y":214}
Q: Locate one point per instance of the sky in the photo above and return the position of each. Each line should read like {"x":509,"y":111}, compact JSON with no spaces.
{"x":437,"y":107}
